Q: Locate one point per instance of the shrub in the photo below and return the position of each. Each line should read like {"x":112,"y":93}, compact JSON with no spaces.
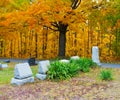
{"x":84,"y":64}
{"x":61,"y":71}
{"x":106,"y":75}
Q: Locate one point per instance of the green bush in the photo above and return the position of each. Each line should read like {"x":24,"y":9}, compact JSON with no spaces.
{"x":106,"y":75}
{"x":61,"y":71}
{"x":84,"y":64}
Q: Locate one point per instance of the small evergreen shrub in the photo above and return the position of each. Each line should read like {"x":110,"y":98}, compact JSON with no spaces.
{"x":61,"y":71}
{"x":106,"y":75}
{"x":84,"y":64}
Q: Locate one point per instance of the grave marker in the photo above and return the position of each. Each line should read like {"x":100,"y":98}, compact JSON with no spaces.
{"x":22,"y":74}
{"x":43,"y":67}
{"x":64,"y":61}
{"x":75,"y":57}
{"x":22,"y":70}
{"x":31,"y":61}
{"x":4,"y":65}
{"x":95,"y":55}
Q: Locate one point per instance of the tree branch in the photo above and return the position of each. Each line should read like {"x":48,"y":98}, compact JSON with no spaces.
{"x":75,"y":4}
{"x":52,"y":28}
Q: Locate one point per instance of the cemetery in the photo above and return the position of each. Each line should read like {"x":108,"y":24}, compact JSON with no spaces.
{"x":59,"y":50}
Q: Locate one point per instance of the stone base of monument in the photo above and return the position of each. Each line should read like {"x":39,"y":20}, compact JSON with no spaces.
{"x":18,"y":82}
{"x":41,"y":76}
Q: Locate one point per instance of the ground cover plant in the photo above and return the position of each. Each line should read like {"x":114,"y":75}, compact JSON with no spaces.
{"x":106,"y":75}
{"x":84,"y":64}
{"x":61,"y":71}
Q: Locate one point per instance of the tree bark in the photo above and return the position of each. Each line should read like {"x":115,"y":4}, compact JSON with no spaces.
{"x":62,"y":39}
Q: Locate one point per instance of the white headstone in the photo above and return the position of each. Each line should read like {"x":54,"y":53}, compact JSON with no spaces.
{"x":22,"y":74}
{"x":75,"y":57}
{"x":43,"y":66}
{"x":22,"y":71}
{"x":95,"y":55}
{"x":4,"y":65}
{"x":64,"y":61}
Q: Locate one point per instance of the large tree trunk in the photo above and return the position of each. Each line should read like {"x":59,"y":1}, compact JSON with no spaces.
{"x":62,"y":40}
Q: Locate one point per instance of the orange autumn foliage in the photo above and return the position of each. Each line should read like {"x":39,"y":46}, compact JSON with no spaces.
{"x":23,"y":34}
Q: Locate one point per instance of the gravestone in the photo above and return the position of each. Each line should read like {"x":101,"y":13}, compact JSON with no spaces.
{"x":31,"y":61}
{"x":43,"y":67}
{"x":4,"y":66}
{"x":95,"y":55}
{"x":7,"y":61}
{"x":75,"y":57}
{"x":22,"y":74}
{"x":64,"y":61}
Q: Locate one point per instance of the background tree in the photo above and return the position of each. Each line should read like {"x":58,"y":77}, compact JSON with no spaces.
{"x":55,"y":15}
{"x":78,"y":21}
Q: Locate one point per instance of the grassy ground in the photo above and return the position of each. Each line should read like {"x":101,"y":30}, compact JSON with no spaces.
{"x":85,"y":86}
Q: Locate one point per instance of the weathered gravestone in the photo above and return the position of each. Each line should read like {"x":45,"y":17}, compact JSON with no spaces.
{"x":64,"y":61}
{"x":43,"y":67}
{"x":75,"y":57}
{"x":4,"y":66}
{"x":7,"y":61}
{"x":31,"y":61}
{"x":95,"y":55}
{"x":22,"y":74}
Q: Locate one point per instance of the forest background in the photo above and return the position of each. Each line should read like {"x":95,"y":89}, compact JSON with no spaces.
{"x":31,"y":28}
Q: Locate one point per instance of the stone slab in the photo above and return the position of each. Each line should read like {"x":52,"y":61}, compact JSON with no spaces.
{"x":4,"y":66}
{"x":43,"y":66}
{"x":19,"y":82}
{"x":75,"y":57}
{"x":64,"y":61}
{"x":95,"y":55}
{"x":41,"y":76}
{"x":22,"y":70}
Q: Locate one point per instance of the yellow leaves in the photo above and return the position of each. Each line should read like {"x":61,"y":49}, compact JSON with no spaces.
{"x":106,"y":40}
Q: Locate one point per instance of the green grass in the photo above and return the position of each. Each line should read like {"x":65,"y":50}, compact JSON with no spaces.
{"x":6,"y":75}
